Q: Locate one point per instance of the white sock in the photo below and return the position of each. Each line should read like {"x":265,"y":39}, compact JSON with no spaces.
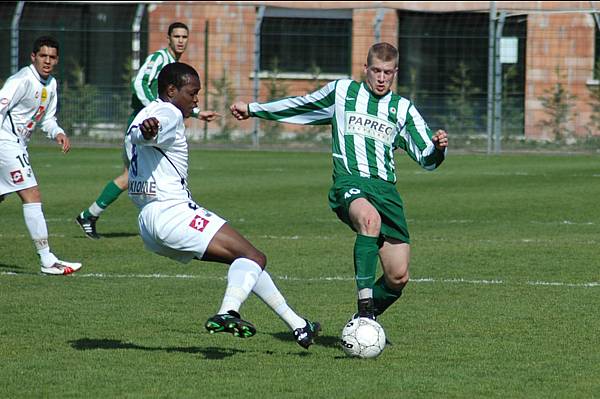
{"x":365,"y":293}
{"x":36,"y":224}
{"x":241,"y":278}
{"x":95,"y":209}
{"x":267,"y":291}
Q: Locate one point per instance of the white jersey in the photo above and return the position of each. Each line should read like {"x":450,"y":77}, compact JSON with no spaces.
{"x":158,"y":168}
{"x":26,"y":100}
{"x":171,"y":223}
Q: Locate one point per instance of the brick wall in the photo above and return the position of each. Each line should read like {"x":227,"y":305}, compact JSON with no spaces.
{"x":564,"y":40}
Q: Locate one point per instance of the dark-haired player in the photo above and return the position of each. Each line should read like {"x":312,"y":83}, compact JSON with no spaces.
{"x":172,"y":224}
{"x":29,"y":98}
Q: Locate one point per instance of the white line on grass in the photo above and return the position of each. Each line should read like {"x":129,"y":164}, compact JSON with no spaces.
{"x":333,"y":278}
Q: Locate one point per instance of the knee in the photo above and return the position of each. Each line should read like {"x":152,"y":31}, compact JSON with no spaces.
{"x":30,"y":195}
{"x":121,"y":181}
{"x":369,"y":223}
{"x":258,"y":257}
{"x":397,"y":279}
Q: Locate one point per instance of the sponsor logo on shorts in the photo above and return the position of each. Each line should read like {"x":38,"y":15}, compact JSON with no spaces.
{"x":3,"y":101}
{"x":17,"y":176}
{"x":199,"y":223}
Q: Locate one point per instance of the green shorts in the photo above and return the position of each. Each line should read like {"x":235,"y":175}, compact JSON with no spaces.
{"x":381,"y":194}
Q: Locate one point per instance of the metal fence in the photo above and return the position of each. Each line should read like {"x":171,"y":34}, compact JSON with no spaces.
{"x":495,"y":79}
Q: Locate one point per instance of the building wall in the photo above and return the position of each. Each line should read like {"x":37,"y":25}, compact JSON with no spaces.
{"x":558,"y":39}
{"x":567,"y":58}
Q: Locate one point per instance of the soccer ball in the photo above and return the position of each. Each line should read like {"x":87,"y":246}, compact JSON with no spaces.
{"x":363,"y":337}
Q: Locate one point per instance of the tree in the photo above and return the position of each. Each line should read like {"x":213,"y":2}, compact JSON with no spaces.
{"x":78,"y":102}
{"x":513,"y":115}
{"x":222,"y":96}
{"x":558,"y":104}
{"x":459,"y":103}
{"x":275,"y":89}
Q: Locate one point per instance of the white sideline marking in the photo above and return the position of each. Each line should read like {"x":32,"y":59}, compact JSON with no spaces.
{"x":334,"y":278}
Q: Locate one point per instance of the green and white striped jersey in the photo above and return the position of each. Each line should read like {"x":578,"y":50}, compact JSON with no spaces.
{"x":145,"y":84}
{"x":365,"y":128}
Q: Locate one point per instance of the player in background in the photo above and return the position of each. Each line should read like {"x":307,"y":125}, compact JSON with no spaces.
{"x":144,"y":91}
{"x":27,"y":98}
{"x":368,"y":122}
{"x":172,"y":224}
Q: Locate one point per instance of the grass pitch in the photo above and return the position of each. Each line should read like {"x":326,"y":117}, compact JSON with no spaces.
{"x":503,"y":301}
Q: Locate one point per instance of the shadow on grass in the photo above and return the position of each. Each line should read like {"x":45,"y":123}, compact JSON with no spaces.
{"x":328,"y":341}
{"x":14,"y":269}
{"x":112,"y":235}
{"x":109,"y":344}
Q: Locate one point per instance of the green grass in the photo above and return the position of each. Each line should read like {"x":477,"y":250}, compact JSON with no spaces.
{"x":503,"y":303}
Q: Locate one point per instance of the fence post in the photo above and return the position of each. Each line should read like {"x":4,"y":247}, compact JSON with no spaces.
{"x":259,"y":18}
{"x":498,"y":85}
{"x":135,"y":41}
{"x":378,"y":21}
{"x":490,"y":86}
{"x":206,"y":25}
{"x":14,"y":38}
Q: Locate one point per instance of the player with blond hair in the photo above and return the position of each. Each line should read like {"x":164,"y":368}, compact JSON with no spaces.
{"x":368,"y":122}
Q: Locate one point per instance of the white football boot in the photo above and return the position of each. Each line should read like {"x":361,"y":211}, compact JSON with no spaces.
{"x":60,"y":267}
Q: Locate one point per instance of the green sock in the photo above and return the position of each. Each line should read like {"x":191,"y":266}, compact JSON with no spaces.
{"x":365,"y":261}
{"x":110,"y":193}
{"x":384,"y":296}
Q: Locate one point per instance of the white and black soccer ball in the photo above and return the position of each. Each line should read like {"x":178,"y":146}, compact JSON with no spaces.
{"x":363,"y":337}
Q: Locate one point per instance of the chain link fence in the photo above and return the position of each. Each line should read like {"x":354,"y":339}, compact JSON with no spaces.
{"x":504,"y":79}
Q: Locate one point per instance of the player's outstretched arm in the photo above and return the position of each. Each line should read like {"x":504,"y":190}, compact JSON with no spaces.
{"x":208,"y":116}
{"x":64,"y":142}
{"x":240,"y":110}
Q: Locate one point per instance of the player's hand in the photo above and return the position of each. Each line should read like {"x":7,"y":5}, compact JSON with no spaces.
{"x":208,"y":116}
{"x":64,"y":142}
{"x":149,"y":128}
{"x":240,"y":110}
{"x":440,"y":140}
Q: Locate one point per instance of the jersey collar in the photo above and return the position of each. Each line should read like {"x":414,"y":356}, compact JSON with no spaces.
{"x":37,"y":75}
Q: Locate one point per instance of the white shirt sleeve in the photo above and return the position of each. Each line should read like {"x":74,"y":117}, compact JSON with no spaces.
{"x":11,"y":94}
{"x":168,"y":121}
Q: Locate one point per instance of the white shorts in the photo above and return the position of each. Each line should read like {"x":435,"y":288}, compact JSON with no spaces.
{"x":178,"y":230}
{"x":15,"y":171}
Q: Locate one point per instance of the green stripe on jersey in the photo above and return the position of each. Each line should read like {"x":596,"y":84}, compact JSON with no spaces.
{"x":366,"y":128}
{"x":389,"y":155}
{"x":145,"y":86}
{"x":347,"y":147}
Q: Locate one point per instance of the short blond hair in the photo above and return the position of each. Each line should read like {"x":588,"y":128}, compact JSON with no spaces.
{"x":382,"y":51}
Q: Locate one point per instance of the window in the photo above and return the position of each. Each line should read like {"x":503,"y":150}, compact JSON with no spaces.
{"x":597,"y":48}
{"x":7,"y":10}
{"x":444,"y":69}
{"x":304,"y":41}
{"x":94,"y":39}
